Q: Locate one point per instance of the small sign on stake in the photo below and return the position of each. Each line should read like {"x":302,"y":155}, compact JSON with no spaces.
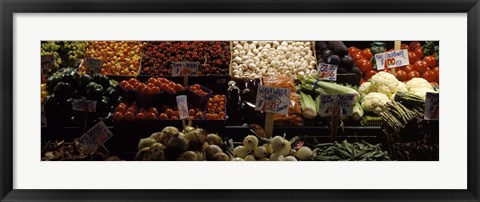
{"x":184,"y":68}
{"x":272,"y":99}
{"x":391,"y":59}
{"x":95,"y":137}
{"x":93,"y":65}
{"x":327,"y":72}
{"x":182,"y":106}
{"x":332,"y":102}
{"x":431,"y":106}
{"x":84,"y":105}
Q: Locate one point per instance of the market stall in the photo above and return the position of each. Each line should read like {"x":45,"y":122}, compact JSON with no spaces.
{"x":240,"y":100}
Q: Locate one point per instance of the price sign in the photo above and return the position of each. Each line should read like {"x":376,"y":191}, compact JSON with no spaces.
{"x":182,"y":106}
{"x":327,"y":72}
{"x":184,"y":68}
{"x":47,"y":62}
{"x":93,"y":65}
{"x":84,"y":105}
{"x":44,"y":119}
{"x":431,"y":106}
{"x":392,"y":59}
{"x":95,"y":137}
{"x":271,"y":99}
{"x":329,"y":104}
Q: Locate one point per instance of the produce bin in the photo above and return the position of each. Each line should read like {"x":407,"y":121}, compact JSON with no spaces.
{"x":197,"y":100}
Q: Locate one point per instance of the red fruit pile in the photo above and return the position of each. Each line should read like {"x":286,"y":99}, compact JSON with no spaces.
{"x":213,"y":56}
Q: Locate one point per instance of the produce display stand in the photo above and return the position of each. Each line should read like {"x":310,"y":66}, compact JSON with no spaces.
{"x":126,"y":137}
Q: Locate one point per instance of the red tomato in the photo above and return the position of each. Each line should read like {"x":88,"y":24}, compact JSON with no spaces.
{"x":151,"y":116}
{"x":118,"y":116}
{"x":191,"y":112}
{"x":140,"y":87}
{"x":434,"y":83}
{"x":404,"y":46}
{"x":151,"y":80}
{"x":153,"y":110}
{"x":436,"y":70}
{"x":413,"y":74}
{"x":429,"y":75}
{"x":401,"y":75}
{"x":128,"y":87}
{"x":430,"y":60}
{"x":155,"y":90}
{"x":369,"y":74}
{"x":174,"y":118}
{"x":365,"y":66}
{"x":413,"y":45}
{"x":412,"y":57}
{"x":123,"y":83}
{"x":408,"y":68}
{"x":419,"y":52}
{"x":129,"y":116}
{"x":142,"y":110}
{"x":169,"y":112}
{"x":353,"y":50}
{"x":121,"y":108}
{"x":420,"y":66}
{"x":163,"y":116}
{"x":141,"y":116}
{"x":357,"y":56}
{"x":367,"y":53}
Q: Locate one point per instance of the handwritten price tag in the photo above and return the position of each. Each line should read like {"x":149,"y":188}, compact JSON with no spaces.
{"x":431,"y":106}
{"x":327,"y":72}
{"x":93,"y":65}
{"x":95,"y":137}
{"x":182,"y":106}
{"x":329,"y":104}
{"x":47,"y":62}
{"x":84,"y":105}
{"x":184,"y":68}
{"x":392,"y":59}
{"x":271,"y":99}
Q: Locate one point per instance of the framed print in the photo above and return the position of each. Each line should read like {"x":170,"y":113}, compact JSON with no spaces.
{"x":210,"y":100}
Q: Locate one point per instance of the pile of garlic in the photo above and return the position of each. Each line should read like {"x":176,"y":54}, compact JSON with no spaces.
{"x":256,"y":59}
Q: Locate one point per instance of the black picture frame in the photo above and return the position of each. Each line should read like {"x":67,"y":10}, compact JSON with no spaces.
{"x":9,"y":7}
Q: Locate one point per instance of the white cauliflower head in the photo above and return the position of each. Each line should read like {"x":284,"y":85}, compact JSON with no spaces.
{"x":365,"y":88}
{"x":375,"y":102}
{"x":418,"y":83}
{"x":422,"y":92}
{"x":385,"y":83}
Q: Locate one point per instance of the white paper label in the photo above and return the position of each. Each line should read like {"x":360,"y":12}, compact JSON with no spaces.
{"x":184,"y":68}
{"x":271,"y":99}
{"x":182,"y":106}
{"x":392,"y":59}
{"x":332,"y":102}
{"x":431,"y":106}
{"x":327,"y":72}
{"x":84,"y":105}
{"x":95,"y":137}
{"x":93,"y":65}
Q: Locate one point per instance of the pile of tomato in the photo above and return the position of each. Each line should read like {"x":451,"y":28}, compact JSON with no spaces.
{"x":421,"y":66}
